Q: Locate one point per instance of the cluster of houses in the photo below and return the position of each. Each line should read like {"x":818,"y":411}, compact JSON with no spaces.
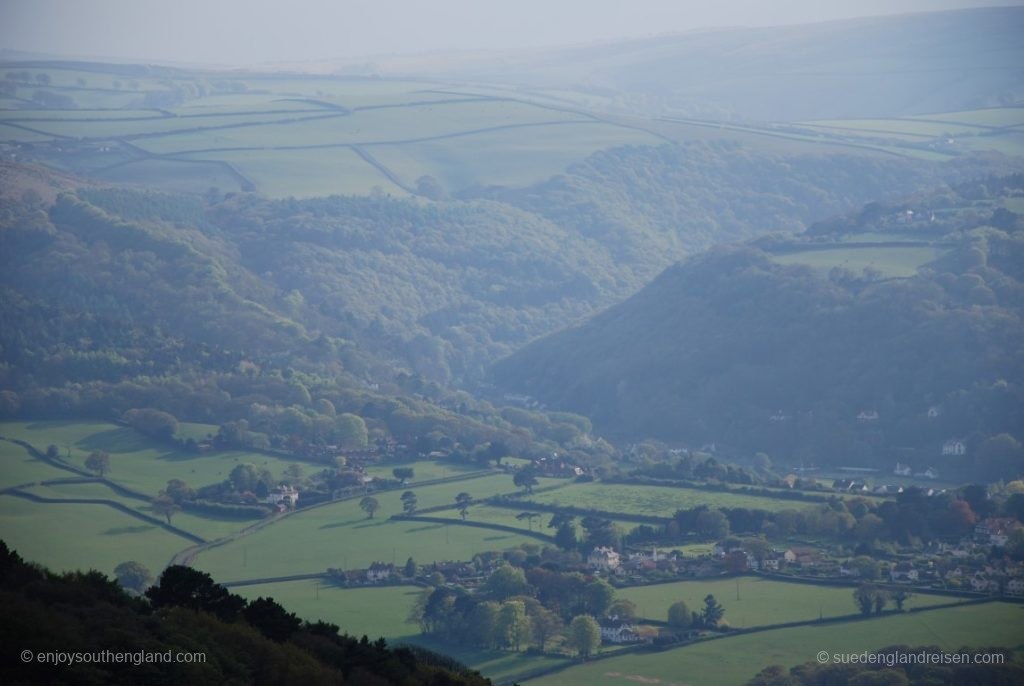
{"x":556,"y":467}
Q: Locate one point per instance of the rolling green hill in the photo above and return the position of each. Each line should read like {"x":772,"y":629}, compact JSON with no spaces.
{"x":780,"y":346}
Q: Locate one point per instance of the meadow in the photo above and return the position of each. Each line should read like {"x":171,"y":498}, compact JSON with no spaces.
{"x":734,"y":660}
{"x":68,"y":537}
{"x":376,"y":612}
{"x":341,"y":535}
{"x":656,"y":501}
{"x":760,"y":602}
{"x":297,"y":135}
{"x":894,"y":261}
{"x":136,"y":461}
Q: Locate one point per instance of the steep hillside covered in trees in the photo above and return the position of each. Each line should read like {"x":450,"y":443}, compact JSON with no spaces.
{"x":766,"y":346}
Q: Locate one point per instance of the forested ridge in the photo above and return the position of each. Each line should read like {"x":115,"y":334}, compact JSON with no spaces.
{"x":827,"y":365}
{"x":226,"y":308}
{"x":228,"y":639}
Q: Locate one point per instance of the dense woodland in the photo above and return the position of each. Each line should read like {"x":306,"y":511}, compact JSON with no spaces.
{"x":733,"y":347}
{"x":243,"y":641}
{"x":285,"y":314}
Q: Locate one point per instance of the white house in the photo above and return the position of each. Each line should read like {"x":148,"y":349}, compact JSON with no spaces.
{"x":282,"y":495}
{"x":603,"y":558}
{"x":616,"y":631}
{"x":930,"y":473}
{"x":1015,"y":586}
{"x":868,"y":416}
{"x":903,"y":571}
{"x":954,"y":447}
{"x":379,"y":571}
{"x":902,"y":469}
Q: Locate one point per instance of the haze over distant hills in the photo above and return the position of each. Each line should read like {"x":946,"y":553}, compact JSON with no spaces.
{"x":931,"y":62}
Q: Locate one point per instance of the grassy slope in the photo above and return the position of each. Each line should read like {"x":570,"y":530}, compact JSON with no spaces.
{"x":893,"y":261}
{"x":761,"y":601}
{"x":136,"y":461}
{"x":340,"y":535}
{"x":732,"y":661}
{"x":382,"y":612}
{"x":658,"y":501}
{"x":66,"y":537}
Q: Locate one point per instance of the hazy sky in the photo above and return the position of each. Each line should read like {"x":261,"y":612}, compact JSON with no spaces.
{"x":253,"y":31}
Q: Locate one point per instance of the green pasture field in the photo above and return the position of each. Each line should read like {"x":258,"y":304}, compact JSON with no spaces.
{"x":891,"y":262}
{"x":114,"y":128}
{"x":735,"y":660}
{"x":424,"y":470}
{"x":334,"y":86}
{"x":196,"y":430}
{"x":27,"y":116}
{"x":995,"y":117}
{"x":373,"y":612}
{"x":14,"y":134}
{"x":761,"y":601}
{"x":508,"y":157}
{"x":507,"y":517}
{"x":1006,"y":143}
{"x":68,"y":537}
{"x":204,"y":526}
{"x":18,"y":466}
{"x":136,"y":461}
{"x":376,"y":612}
{"x":306,"y":173}
{"x":341,"y":535}
{"x":899,"y":127}
{"x":376,"y":126}
{"x":172,"y":175}
{"x":656,"y":501}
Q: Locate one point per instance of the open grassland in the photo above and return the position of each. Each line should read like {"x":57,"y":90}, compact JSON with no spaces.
{"x":505,"y":157}
{"x":294,"y":135}
{"x":67,"y":537}
{"x":995,"y":117}
{"x":378,"y":612}
{"x":891,"y":261}
{"x":138,"y":462}
{"x":913,"y":128}
{"x":734,"y":660}
{"x":507,"y":517}
{"x":306,"y":173}
{"x":1010,"y":143}
{"x":656,"y":501}
{"x":415,"y":122}
{"x":424,"y":470}
{"x":341,"y":535}
{"x":118,"y":128}
{"x":373,"y":612}
{"x":18,"y":466}
{"x":761,"y":601}
{"x":205,"y":526}
{"x":185,"y":176}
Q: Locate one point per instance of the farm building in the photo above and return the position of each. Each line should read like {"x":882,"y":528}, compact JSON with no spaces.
{"x":379,"y":571}
{"x":603,"y":558}
{"x":954,"y":447}
{"x":282,"y":495}
{"x":617,"y":631}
